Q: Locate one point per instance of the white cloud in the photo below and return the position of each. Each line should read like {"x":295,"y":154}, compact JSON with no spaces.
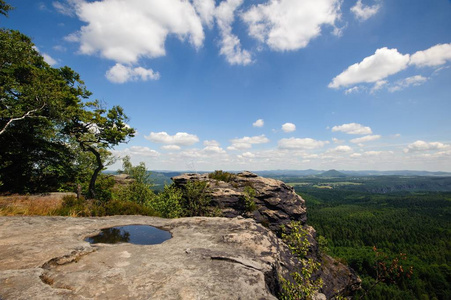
{"x":352,"y":90}
{"x":366,"y":138}
{"x":212,"y":146}
{"x":340,"y":149}
{"x":406,"y":82}
{"x":179,"y":139}
{"x":353,"y":128}
{"x":206,"y":11}
{"x":247,"y":142}
{"x":125,"y":30}
{"x":248,"y":155}
{"x":48,"y":59}
{"x":121,"y":74}
{"x":425,"y":146}
{"x":434,"y":56}
{"x":230,"y":43}
{"x":64,"y":8}
{"x":290,"y":24}
{"x":211,"y":143}
{"x":258,"y":123}
{"x":364,"y":12}
{"x":288,"y":127}
{"x":378,"y":85}
{"x":383,"y":63}
{"x":337,"y":141}
{"x":171,"y":147}
{"x":137,"y":151}
{"x":300,"y":144}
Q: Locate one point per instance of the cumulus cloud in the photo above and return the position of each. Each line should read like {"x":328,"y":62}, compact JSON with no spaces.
{"x":301,"y":144}
{"x":288,"y":127}
{"x":179,"y":139}
{"x":258,"y":123}
{"x":364,"y":12}
{"x":425,"y":146}
{"x":352,"y":128}
{"x":212,"y":146}
{"x":383,"y":63}
{"x":406,"y":82}
{"x":137,"y":151}
{"x":206,"y":10}
{"x":247,"y":142}
{"x":434,"y":56}
{"x":366,"y":138}
{"x":230,"y":43}
{"x":340,"y":149}
{"x":140,"y":27}
{"x":121,"y":74}
{"x":171,"y":147}
{"x":290,"y":24}
{"x":247,"y":155}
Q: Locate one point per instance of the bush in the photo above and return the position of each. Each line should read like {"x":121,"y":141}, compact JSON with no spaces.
{"x":248,"y":198}
{"x":222,"y":176}
{"x":168,"y":203}
{"x":195,"y":199}
{"x":302,"y":285}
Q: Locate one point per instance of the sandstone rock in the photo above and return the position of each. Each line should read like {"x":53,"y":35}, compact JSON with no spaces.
{"x":207,"y":258}
{"x":277,"y":204}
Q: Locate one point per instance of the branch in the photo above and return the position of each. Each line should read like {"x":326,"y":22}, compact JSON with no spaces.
{"x":28,"y":114}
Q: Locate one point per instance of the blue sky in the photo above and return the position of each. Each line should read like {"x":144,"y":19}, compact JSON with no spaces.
{"x":258,"y":85}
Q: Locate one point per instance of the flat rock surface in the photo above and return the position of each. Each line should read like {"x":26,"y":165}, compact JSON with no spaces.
{"x":206,"y":258}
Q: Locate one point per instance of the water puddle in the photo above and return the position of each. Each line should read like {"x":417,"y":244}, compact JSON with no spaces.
{"x":134,"y":234}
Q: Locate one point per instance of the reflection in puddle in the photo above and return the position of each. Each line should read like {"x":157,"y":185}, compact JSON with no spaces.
{"x":134,"y":234}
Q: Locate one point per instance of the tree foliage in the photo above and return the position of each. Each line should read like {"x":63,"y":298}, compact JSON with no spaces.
{"x":45,"y":122}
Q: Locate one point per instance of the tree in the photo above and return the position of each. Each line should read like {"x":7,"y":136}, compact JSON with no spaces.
{"x":5,"y":8}
{"x":139,"y":190}
{"x":42,"y":116}
{"x":34,"y":100}
{"x":95,"y":129}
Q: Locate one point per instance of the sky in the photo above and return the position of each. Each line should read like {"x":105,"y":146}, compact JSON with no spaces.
{"x":261,"y":84}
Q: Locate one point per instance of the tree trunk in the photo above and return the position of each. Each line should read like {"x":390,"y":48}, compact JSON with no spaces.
{"x":92,"y":183}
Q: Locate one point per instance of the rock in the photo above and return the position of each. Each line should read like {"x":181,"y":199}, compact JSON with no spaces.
{"x":276,"y":203}
{"x":206,"y":258}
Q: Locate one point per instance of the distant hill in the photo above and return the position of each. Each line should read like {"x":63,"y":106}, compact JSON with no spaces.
{"x":332,"y":173}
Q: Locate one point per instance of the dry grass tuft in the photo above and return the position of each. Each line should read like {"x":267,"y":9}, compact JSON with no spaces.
{"x":32,"y":205}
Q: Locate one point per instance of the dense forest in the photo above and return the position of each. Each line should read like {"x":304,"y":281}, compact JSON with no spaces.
{"x":417,"y":224}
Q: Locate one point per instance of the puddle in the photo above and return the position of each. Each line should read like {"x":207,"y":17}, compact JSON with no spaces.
{"x":134,"y":234}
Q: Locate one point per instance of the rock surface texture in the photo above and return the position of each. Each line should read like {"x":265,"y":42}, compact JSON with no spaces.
{"x":206,"y":258}
{"x":276,"y":203}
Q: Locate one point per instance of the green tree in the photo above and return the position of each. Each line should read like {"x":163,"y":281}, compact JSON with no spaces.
{"x":34,"y":100}
{"x":5,"y":8}
{"x":95,"y":129}
{"x":139,"y":190}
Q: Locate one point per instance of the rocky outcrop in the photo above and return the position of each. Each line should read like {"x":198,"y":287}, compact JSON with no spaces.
{"x":276,"y":203}
{"x":206,"y":258}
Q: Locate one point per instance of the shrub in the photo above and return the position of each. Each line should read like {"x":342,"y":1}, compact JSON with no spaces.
{"x":248,"y":198}
{"x":168,"y":202}
{"x":222,"y":176}
{"x":195,"y":199}
{"x":302,"y":285}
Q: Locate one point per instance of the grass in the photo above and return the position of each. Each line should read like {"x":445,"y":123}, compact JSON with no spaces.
{"x":31,"y":205}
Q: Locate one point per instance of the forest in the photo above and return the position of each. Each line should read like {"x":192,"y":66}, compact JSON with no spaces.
{"x":413,"y":225}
